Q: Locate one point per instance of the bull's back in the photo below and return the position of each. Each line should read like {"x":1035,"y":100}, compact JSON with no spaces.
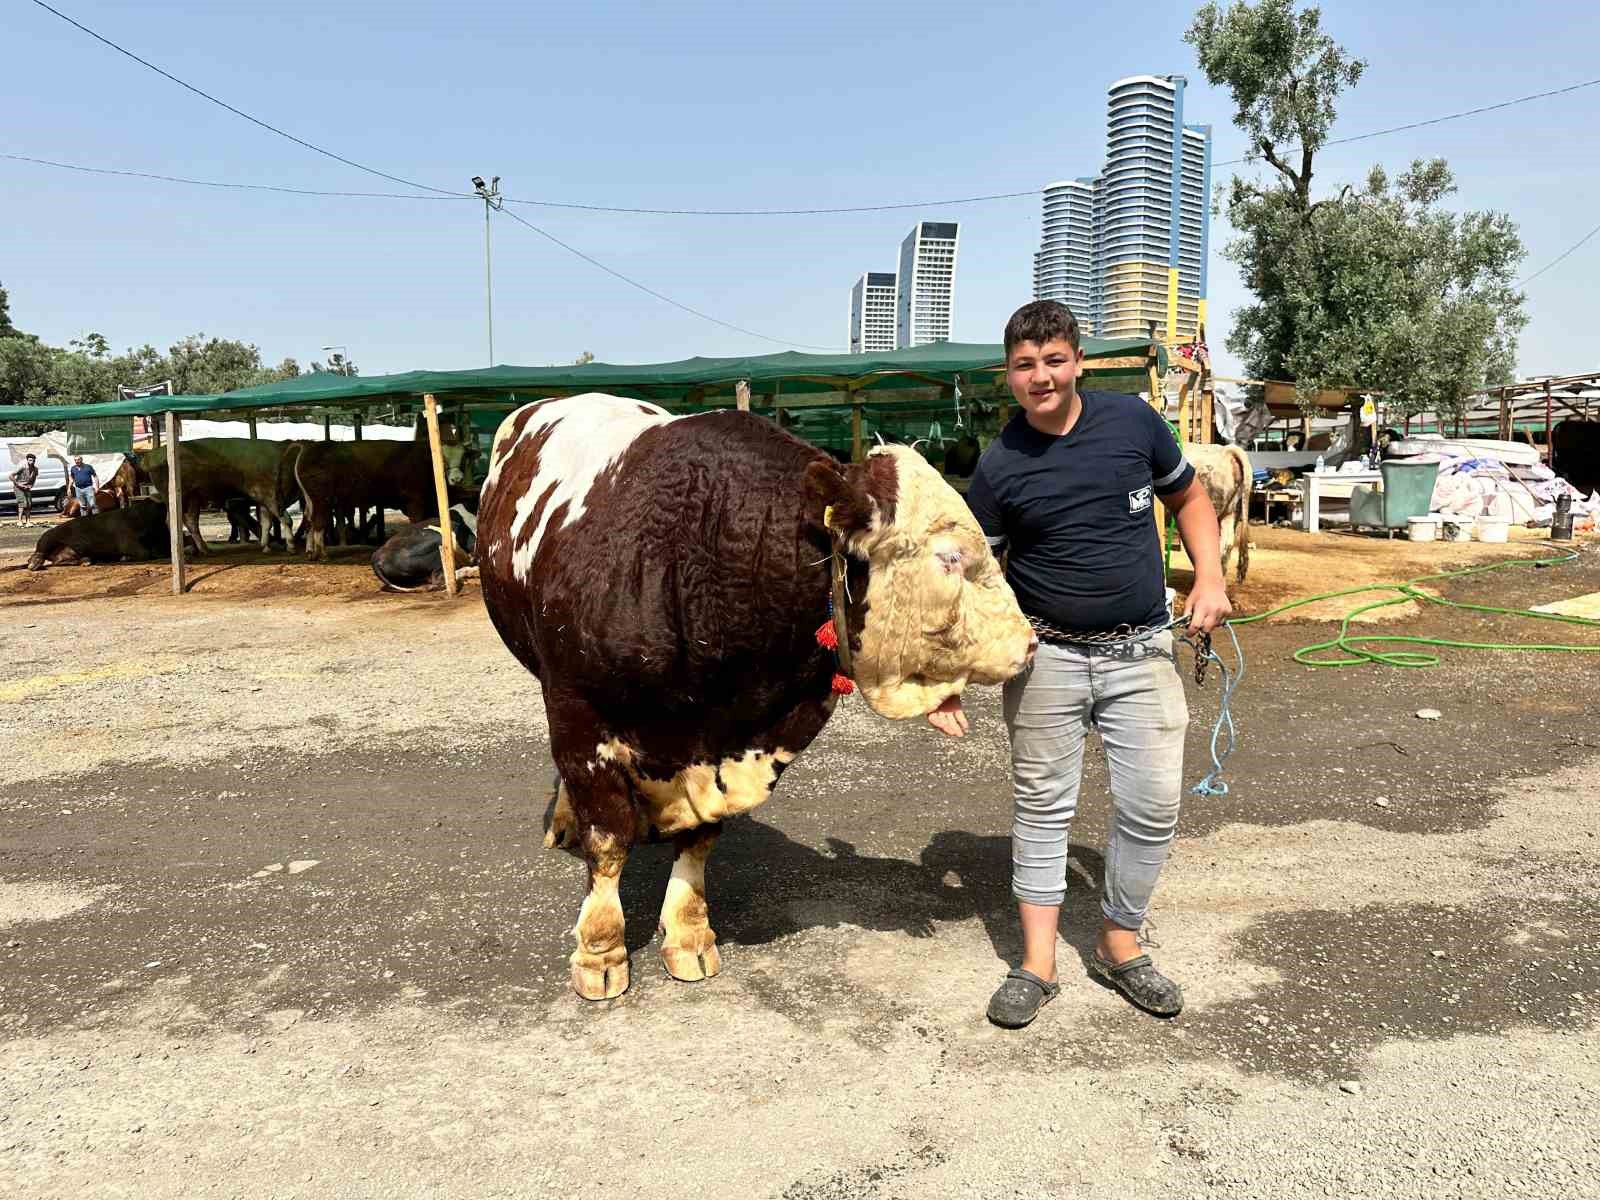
{"x":617,"y":542}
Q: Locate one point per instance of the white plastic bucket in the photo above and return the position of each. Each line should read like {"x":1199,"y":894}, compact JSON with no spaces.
{"x":1423,"y":529}
{"x":1494,"y":529}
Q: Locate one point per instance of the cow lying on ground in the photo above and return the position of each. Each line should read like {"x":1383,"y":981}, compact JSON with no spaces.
{"x":1575,"y":453}
{"x":665,"y":579}
{"x":136,"y":531}
{"x":1225,"y":471}
{"x":213,"y":471}
{"x":351,"y":475}
{"x":413,"y":558}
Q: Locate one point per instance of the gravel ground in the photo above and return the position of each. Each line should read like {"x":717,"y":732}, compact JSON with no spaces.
{"x":275,"y":921}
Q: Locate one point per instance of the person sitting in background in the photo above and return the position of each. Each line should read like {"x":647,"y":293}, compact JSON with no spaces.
{"x":84,"y":482}
{"x":22,"y":481}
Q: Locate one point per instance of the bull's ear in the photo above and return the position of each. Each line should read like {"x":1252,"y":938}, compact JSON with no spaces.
{"x":835,"y":500}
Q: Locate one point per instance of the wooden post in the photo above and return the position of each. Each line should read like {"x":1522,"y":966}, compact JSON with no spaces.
{"x":327,"y":429}
{"x":741,"y":395}
{"x":357,"y":420}
{"x":175,"y":504}
{"x":1550,"y":458}
{"x":252,"y":420}
{"x":447,"y":544}
{"x":777,"y":402}
{"x":1505,"y":417}
{"x":855,"y":427}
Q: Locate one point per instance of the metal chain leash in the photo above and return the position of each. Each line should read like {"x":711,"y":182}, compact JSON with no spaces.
{"x":1204,"y":656}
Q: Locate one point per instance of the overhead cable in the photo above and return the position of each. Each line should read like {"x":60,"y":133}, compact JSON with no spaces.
{"x":215,"y":183}
{"x":1569,"y":251}
{"x":238,"y":112}
{"x":650,"y":291}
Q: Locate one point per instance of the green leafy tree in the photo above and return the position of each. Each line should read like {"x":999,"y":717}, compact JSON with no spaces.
{"x":337,"y":364}
{"x":7,"y":329}
{"x":1378,"y":287}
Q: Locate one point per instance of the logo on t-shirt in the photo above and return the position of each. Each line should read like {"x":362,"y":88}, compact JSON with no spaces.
{"x":1139,"y":499}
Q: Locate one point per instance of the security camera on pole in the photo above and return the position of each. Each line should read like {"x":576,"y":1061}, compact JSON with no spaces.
{"x":491,"y":199}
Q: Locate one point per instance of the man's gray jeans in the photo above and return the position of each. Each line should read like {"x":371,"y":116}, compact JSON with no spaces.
{"x":86,"y":498}
{"x":1133,"y":696}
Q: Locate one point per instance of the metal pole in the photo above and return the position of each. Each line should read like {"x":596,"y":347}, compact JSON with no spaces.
{"x":491,"y":199}
{"x":488,"y":280}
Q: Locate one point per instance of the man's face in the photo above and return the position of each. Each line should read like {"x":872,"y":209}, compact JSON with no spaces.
{"x":1043,"y":379}
{"x":78,"y":461}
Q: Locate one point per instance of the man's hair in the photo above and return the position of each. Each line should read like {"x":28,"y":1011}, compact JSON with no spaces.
{"x":30,"y":458}
{"x":1040,"y":322}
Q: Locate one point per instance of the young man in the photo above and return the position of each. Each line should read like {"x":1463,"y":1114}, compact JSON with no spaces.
{"x":84,"y":483}
{"x":22,"y":481}
{"x":1066,"y":492}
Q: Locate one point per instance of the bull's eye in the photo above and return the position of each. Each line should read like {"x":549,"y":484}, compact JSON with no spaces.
{"x":950,"y":559}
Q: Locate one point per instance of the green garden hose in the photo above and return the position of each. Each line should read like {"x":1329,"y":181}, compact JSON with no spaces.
{"x":1351,"y":645}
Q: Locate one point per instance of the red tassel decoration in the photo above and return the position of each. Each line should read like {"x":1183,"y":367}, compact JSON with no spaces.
{"x":843,"y":685}
{"x":828,"y":636}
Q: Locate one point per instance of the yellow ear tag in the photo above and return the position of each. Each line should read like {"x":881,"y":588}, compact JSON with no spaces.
{"x":827,"y":517}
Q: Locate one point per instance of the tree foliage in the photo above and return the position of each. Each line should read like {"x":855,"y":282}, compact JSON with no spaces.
{"x":1377,"y":287}
{"x":86,"y":372}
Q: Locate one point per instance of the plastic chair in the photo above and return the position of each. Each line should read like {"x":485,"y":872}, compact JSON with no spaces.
{"x":1407,"y":492}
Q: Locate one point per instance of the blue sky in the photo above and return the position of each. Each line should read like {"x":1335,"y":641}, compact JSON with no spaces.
{"x":687,"y":105}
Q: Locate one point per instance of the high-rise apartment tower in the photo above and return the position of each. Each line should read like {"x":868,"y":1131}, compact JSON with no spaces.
{"x":927,"y":284}
{"x":872,"y":313}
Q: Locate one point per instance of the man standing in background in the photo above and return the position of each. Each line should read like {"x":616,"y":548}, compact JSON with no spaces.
{"x":22,"y":481}
{"x":84,"y":483}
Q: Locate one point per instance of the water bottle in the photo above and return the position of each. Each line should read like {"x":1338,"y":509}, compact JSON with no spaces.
{"x":1319,"y":464}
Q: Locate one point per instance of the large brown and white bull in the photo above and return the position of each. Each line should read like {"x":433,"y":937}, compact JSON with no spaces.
{"x":665,"y":577}
{"x":1225,"y":473}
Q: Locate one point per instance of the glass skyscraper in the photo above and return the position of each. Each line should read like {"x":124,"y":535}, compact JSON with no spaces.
{"x":1111,"y":243}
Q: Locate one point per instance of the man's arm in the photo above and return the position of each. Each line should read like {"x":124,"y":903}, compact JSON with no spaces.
{"x":1208,"y":604}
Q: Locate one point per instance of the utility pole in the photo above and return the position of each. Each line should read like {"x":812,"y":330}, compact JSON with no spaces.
{"x":491,"y":199}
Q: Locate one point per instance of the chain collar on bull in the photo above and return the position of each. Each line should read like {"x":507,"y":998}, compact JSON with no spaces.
{"x":835,"y":631}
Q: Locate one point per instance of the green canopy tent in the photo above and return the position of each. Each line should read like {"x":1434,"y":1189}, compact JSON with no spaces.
{"x":833,"y":400}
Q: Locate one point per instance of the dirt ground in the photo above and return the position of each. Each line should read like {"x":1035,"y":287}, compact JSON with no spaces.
{"x":275,"y":920}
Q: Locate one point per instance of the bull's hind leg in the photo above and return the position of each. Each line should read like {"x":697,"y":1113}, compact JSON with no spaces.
{"x":600,"y":963}
{"x":688,"y":944}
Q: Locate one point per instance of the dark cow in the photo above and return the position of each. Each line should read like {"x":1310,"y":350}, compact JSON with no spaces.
{"x":216,"y":470}
{"x":413,"y":558}
{"x":137,"y":531}
{"x":961,"y":456}
{"x":1575,"y":453}
{"x":345,"y":476}
{"x":667,"y":580}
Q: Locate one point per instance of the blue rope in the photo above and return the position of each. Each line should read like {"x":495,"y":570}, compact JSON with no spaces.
{"x":1213,"y":784}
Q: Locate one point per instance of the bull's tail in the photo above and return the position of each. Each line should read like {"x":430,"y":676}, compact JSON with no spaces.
{"x":1241,"y":524}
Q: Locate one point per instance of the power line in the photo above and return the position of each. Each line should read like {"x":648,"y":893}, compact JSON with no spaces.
{"x":1471,"y":112}
{"x":650,"y":291}
{"x":776,"y":212}
{"x":214,"y":183}
{"x":1570,"y":250}
{"x":349,"y":162}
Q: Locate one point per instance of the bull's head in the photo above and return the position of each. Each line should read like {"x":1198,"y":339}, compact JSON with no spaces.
{"x":939,"y":613}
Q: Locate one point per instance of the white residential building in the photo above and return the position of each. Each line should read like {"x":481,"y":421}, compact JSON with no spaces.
{"x":872,"y":312}
{"x":927,"y":281}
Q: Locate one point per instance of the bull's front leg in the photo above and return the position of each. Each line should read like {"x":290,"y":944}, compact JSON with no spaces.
{"x":191,"y":522}
{"x":688,"y":944}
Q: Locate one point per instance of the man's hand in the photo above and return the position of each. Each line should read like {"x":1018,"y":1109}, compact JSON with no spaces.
{"x":948,"y":718}
{"x":1207,"y":606}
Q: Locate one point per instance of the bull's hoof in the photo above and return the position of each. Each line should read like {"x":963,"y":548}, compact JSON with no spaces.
{"x":692,"y":963}
{"x":600,"y":976}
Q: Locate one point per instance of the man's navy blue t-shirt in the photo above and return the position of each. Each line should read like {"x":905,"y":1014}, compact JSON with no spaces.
{"x":1073,"y":513}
